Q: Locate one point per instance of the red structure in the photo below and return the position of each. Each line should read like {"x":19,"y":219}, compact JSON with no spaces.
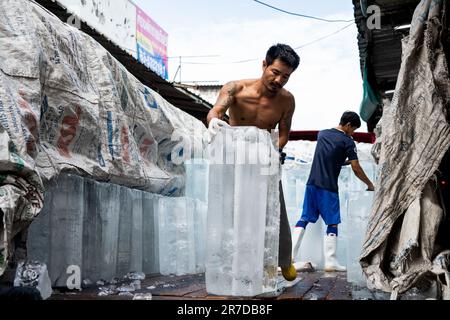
{"x":366,"y":137}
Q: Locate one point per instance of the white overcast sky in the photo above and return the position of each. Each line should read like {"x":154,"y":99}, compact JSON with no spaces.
{"x":328,"y":81}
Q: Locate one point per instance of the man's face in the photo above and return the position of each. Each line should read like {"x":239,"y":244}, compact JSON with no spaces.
{"x":276,"y":75}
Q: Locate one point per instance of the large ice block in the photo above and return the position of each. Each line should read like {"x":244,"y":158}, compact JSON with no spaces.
{"x":220,"y":245}
{"x":200,"y":214}
{"x":197,"y":176}
{"x":344,"y":227}
{"x":38,"y":244}
{"x":176,"y":236}
{"x":272,"y":235}
{"x":359,"y":208}
{"x":125,"y":228}
{"x":92,"y":230}
{"x":100,"y":230}
{"x":150,"y":233}
{"x":66,"y":220}
{"x":197,"y":179}
{"x":243,"y":213}
{"x":136,"y":231}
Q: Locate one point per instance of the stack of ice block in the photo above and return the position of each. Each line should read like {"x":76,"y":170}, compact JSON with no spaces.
{"x":358,"y":214}
{"x":342,"y":246}
{"x":197,"y":179}
{"x":150,"y":229}
{"x":243,"y":213}
{"x":101,"y":227}
{"x":200,"y":235}
{"x":197,"y":176}
{"x":109,"y":230}
{"x":359,"y":209}
{"x":182,"y":228}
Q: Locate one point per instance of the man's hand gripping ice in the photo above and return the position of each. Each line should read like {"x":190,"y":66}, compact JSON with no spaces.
{"x":214,"y":126}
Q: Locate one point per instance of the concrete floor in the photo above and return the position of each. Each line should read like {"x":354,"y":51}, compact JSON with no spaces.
{"x":315,"y":285}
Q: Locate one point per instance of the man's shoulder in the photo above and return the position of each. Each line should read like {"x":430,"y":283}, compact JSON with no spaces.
{"x":240,"y":84}
{"x":286,"y":100}
{"x":237,"y":86}
{"x":326,"y":132}
{"x":336,"y":135}
{"x":286,"y":94}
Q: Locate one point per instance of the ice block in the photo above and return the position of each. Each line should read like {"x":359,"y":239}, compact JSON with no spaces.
{"x":243,"y":213}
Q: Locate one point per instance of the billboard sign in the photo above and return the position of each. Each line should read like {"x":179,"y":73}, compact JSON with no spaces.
{"x":151,"y":44}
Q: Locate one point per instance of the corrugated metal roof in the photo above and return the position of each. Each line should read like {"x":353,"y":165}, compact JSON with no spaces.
{"x":382,"y":47}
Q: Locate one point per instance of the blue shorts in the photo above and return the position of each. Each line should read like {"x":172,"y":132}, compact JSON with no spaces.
{"x":319,"y":201}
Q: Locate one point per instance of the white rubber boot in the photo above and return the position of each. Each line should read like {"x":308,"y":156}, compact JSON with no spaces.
{"x":297,"y":238}
{"x":329,"y":249}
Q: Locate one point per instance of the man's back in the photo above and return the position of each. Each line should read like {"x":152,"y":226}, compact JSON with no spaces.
{"x":333,"y":148}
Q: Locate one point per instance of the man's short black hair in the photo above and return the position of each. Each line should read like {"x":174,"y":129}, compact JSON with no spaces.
{"x":285,"y":53}
{"x":352,"y":118}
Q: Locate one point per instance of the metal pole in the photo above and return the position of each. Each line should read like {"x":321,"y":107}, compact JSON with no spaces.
{"x":180,"y":69}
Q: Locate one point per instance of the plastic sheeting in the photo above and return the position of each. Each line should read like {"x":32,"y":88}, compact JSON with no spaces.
{"x":371,"y":99}
{"x":400,"y":240}
{"x":67,"y":105}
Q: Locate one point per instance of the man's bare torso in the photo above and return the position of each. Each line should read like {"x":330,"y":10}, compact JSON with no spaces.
{"x":250,"y":108}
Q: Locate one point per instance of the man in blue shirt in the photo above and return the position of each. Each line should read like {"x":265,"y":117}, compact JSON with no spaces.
{"x":335,"y":148}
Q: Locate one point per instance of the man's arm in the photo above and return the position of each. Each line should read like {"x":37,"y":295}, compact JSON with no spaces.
{"x":285,"y":123}
{"x":225,"y":100}
{"x":359,"y":172}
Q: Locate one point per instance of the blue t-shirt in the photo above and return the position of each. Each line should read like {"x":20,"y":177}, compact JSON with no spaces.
{"x":333,"y":148}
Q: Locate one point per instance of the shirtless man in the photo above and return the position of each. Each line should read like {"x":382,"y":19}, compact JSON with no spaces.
{"x":264,"y":103}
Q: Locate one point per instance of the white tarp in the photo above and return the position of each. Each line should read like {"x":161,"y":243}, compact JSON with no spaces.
{"x":67,"y":105}
{"x":400,"y":242}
